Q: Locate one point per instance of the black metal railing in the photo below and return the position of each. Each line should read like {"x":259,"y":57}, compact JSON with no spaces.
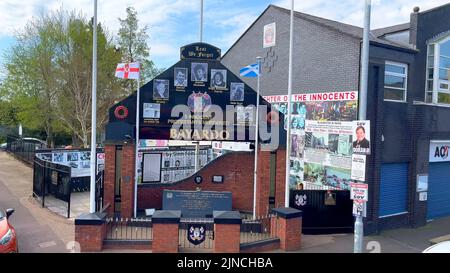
{"x":259,"y":229}
{"x":196,"y":233}
{"x":129,"y":229}
{"x":23,"y":149}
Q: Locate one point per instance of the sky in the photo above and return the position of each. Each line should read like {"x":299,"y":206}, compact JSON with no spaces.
{"x":174,"y":23}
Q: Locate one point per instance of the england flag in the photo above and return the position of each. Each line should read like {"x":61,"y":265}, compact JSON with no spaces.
{"x":250,"y":71}
{"x":128,"y":71}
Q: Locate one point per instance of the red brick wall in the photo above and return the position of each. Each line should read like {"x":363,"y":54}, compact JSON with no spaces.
{"x":227,"y":238}
{"x":263,"y":185}
{"x":110,"y":174}
{"x":280,"y":179}
{"x":165,"y":238}
{"x":290,"y":233}
{"x":90,"y":238}
{"x":127,"y":185}
{"x":237,"y":169}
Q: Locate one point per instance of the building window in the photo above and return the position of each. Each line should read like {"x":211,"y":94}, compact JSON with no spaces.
{"x":395,"y":81}
{"x":438,"y":72}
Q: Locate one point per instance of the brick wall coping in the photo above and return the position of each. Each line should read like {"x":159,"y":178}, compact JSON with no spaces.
{"x":288,"y":213}
{"x":91,"y":219}
{"x":166,"y":217}
{"x":245,"y":246}
{"x":227,"y":217}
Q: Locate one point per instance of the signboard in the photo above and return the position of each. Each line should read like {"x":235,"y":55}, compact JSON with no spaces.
{"x":359,"y":192}
{"x":361,"y":137}
{"x":439,"y":151}
{"x":358,"y":167}
{"x":196,"y":99}
{"x":422,"y":182}
{"x":78,"y":160}
{"x":321,"y":137}
{"x":359,"y":209}
{"x":270,"y":35}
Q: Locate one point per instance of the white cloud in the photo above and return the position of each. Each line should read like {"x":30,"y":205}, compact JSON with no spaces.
{"x":384,"y":12}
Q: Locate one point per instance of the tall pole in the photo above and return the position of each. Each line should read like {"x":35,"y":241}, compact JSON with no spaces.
{"x":201,"y":21}
{"x":288,"y":136}
{"x":94,"y":113}
{"x":256,"y":138}
{"x":359,"y":231}
{"x":136,"y":153}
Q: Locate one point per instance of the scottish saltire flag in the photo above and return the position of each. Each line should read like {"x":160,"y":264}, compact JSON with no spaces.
{"x":250,"y":71}
{"x":128,"y":71}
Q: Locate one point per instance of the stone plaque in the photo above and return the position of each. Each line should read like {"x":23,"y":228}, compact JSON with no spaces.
{"x":196,"y":204}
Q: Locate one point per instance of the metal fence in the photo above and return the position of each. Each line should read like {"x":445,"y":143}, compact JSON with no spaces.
{"x":52,"y":185}
{"x":196,"y":233}
{"x":129,"y":229}
{"x":258,"y":229}
{"x":23,"y":149}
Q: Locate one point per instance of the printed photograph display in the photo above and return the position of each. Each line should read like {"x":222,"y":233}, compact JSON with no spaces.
{"x":160,"y":89}
{"x":180,"y":76}
{"x":218,"y":78}
{"x":236,"y":91}
{"x":151,"y":110}
{"x":322,"y":138}
{"x":199,"y":72}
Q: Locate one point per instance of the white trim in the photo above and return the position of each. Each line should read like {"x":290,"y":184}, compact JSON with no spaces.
{"x":439,"y":141}
{"x":397,"y":101}
{"x":432,"y":104}
{"x":395,"y":74}
{"x":395,"y":214}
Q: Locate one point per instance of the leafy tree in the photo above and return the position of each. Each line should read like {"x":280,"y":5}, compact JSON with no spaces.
{"x":132,"y":42}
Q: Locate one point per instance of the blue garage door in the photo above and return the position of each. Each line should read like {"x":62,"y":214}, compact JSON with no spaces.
{"x":438,"y":190}
{"x":393,"y":189}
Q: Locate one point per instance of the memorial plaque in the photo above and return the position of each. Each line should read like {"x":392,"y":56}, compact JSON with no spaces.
{"x":196,"y":204}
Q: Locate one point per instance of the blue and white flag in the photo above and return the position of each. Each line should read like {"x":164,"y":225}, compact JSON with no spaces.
{"x":250,"y":71}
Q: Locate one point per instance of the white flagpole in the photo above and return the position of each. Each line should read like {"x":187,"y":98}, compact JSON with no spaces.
{"x":201,"y":21}
{"x":136,"y":178}
{"x":288,"y":137}
{"x":94,"y":114}
{"x":256,"y":139}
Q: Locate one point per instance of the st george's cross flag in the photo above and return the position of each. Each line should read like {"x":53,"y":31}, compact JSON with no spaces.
{"x":128,"y":71}
{"x":250,"y":71}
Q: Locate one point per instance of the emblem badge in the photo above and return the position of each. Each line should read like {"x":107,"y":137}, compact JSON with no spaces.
{"x":196,"y":234}
{"x":300,"y":200}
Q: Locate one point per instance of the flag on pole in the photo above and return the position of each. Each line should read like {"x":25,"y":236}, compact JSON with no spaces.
{"x":128,"y":71}
{"x":250,"y":71}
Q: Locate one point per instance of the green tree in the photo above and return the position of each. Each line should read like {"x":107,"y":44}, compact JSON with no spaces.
{"x":49,"y":76}
{"x":132,"y":42}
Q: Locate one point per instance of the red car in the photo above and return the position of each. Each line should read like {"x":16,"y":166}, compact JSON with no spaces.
{"x":8,"y":239}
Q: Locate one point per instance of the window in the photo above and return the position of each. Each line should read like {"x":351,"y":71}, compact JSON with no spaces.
{"x":395,"y":81}
{"x":438,"y":72}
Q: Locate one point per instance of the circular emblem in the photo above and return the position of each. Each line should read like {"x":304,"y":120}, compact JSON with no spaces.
{"x":199,"y":102}
{"x":121,"y":112}
{"x":273,"y":117}
{"x":198,"y":179}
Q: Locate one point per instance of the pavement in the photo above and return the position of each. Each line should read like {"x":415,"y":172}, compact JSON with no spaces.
{"x":41,"y":230}
{"x":38,"y":229}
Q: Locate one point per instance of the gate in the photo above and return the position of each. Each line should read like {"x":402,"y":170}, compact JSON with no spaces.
{"x":196,"y":233}
{"x":324,"y":211}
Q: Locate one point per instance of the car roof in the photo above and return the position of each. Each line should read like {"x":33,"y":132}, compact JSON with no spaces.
{"x":443,"y":247}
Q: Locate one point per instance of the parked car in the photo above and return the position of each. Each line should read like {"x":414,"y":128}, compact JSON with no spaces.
{"x":8,"y":238}
{"x":3,"y":146}
{"x":442,"y":247}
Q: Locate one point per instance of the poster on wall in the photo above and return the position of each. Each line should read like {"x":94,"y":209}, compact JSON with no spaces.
{"x":321,"y":138}
{"x":269,"y":38}
{"x":152,"y":166}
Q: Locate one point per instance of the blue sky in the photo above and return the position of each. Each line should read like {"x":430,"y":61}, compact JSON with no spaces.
{"x":174,"y":23}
